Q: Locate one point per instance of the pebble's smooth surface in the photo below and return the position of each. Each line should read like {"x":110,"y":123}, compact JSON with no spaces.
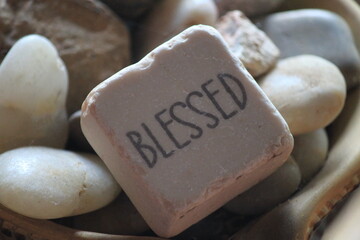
{"x":169,"y":18}
{"x":251,"y":8}
{"x":268,"y":193}
{"x":33,"y":89}
{"x":310,"y":152}
{"x":91,"y":40}
{"x":47,"y":183}
{"x":251,"y":45}
{"x":348,"y":9}
{"x":316,"y":32}
{"x":119,"y":217}
{"x":308,"y":91}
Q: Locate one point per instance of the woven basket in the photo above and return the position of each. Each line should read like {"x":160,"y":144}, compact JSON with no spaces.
{"x":14,"y":226}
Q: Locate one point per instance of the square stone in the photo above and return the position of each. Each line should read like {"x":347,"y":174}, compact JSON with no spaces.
{"x":185,"y":130}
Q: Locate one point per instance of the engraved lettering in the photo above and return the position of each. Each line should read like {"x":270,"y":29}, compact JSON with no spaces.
{"x":136,"y":140}
{"x":158,"y":145}
{"x":183,"y":122}
{"x":211,"y":96}
{"x":241,"y":103}
{"x":196,"y":110}
{"x":150,"y":153}
{"x":165,"y":125}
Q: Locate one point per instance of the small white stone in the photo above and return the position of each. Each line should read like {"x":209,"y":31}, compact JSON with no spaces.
{"x":33,"y":89}
{"x":308,"y":91}
{"x":48,"y":183}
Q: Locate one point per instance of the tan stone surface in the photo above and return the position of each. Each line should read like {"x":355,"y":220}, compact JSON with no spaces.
{"x":209,"y":131}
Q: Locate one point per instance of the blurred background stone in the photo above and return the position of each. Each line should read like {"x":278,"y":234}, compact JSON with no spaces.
{"x":91,"y":40}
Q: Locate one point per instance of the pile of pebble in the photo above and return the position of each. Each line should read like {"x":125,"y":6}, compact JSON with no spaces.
{"x":54,"y":52}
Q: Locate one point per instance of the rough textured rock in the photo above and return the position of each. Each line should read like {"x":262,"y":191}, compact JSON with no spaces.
{"x":317,"y":32}
{"x":251,"y":45}
{"x":310,"y":152}
{"x":308,"y":91}
{"x":268,"y":193}
{"x":251,"y":8}
{"x":169,"y":18}
{"x":46,"y":183}
{"x":77,"y":140}
{"x":93,"y":43}
{"x":119,"y":217}
{"x":33,"y":89}
{"x":129,"y":9}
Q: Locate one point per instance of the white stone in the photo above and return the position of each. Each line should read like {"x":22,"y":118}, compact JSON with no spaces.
{"x":308,"y":91}
{"x":48,"y":183}
{"x":33,"y":89}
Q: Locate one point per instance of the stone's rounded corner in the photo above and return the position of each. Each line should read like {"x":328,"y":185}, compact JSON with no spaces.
{"x":205,"y":29}
{"x":166,"y":231}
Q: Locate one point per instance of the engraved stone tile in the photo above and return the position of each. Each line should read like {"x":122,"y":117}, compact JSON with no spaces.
{"x":185,"y":130}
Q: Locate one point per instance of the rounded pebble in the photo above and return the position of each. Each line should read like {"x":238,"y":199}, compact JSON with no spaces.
{"x":316,"y":32}
{"x":91,"y":39}
{"x":33,"y":89}
{"x":308,"y":91}
{"x":47,"y":183}
{"x":310,"y":151}
{"x":119,"y":217}
{"x":268,"y":193}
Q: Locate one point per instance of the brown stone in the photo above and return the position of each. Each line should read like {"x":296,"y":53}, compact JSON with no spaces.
{"x":91,"y":40}
{"x":251,"y":45}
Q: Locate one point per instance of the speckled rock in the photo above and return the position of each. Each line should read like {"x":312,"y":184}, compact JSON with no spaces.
{"x":308,"y":91}
{"x":77,"y":140}
{"x":47,"y":183}
{"x":129,"y":9}
{"x":91,"y":40}
{"x":251,"y":8}
{"x":317,"y":32}
{"x":33,"y":88}
{"x":119,"y":217}
{"x":255,"y":50}
{"x":169,"y":18}
{"x":268,"y":193}
{"x":310,"y":151}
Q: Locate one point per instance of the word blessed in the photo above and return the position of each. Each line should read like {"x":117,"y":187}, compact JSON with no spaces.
{"x":149,"y":151}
